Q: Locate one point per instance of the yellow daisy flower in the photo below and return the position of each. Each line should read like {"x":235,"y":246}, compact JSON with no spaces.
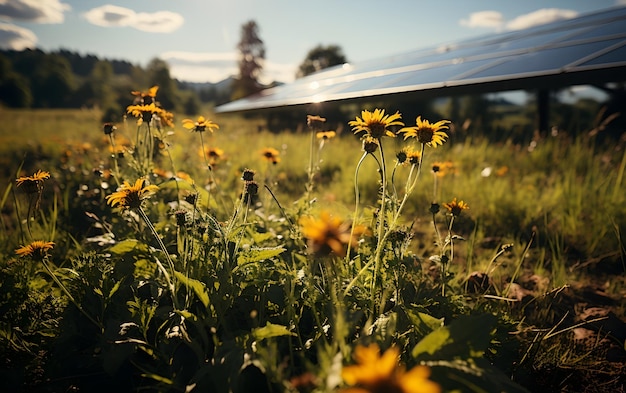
{"x":328,"y":234}
{"x":271,"y":155}
{"x":32,"y":184}
{"x":131,"y":196}
{"x":145,"y":111}
{"x":427,"y":132}
{"x":36,"y":249}
{"x":200,"y":125}
{"x":376,"y":124}
{"x":455,"y":208}
{"x":441,"y":169}
{"x":376,"y":374}
{"x":326,"y":135}
{"x":151,"y":92}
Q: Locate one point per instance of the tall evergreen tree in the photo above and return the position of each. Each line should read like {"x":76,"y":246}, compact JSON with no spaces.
{"x":251,"y":56}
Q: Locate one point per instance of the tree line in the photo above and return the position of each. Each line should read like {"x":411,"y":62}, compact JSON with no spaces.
{"x":33,"y":78}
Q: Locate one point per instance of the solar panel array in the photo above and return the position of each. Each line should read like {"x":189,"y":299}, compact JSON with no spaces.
{"x":590,"y":47}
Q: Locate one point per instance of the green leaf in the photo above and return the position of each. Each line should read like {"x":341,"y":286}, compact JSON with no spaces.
{"x":258,"y":254}
{"x":158,"y":378}
{"x":259,"y":238}
{"x":114,"y":289}
{"x":424,"y":323}
{"x":271,"y":330}
{"x":128,"y":245}
{"x":466,"y":337}
{"x":197,"y":286}
{"x":432,"y":342}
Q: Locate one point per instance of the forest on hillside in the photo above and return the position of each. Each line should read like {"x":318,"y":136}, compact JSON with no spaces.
{"x":65,"y":79}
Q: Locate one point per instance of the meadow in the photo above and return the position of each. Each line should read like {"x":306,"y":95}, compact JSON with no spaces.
{"x":205,"y":253}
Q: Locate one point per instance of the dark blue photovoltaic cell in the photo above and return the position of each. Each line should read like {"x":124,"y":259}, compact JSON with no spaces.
{"x":593,"y":42}
{"x":617,"y":55}
{"x":544,"y":60}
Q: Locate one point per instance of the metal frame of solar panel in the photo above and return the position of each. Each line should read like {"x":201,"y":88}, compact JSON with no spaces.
{"x":590,"y":49}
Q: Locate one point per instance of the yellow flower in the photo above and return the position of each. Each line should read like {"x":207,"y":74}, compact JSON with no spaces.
{"x":455,"y":208}
{"x":213,"y":154}
{"x":378,"y":374}
{"x":441,"y":169}
{"x":201,"y":125}
{"x":325,"y":135}
{"x":408,"y":156}
{"x":328,"y":234}
{"x":271,"y":155}
{"x":131,"y":196}
{"x":32,"y":184}
{"x":370,"y":144}
{"x":376,"y":124}
{"x":427,"y":132}
{"x":150,"y":93}
{"x":36,"y":249}
{"x":145,"y":111}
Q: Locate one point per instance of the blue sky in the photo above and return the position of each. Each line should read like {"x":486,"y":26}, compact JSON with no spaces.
{"x":198,"y":38}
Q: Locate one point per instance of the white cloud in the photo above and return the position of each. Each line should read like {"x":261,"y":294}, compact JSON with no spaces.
{"x":495,"y":20}
{"x":540,"y":17}
{"x":115,"y":16}
{"x":215,"y":67}
{"x":39,"y":11}
{"x":492,"y":19}
{"x":16,"y":38}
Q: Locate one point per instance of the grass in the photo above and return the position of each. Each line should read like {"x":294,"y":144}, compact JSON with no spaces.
{"x":224,"y":292}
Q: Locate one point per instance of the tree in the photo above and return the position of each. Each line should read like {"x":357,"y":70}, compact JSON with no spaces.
{"x":159,"y":75}
{"x":52,"y":82}
{"x":319,"y":58}
{"x":251,"y":57}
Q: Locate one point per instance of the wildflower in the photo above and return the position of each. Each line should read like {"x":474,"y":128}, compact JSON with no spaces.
{"x":455,"y":208}
{"x":427,"y":132}
{"x":37,"y":249}
{"x":212,"y":154}
{"x":143,"y":96}
{"x":191,"y":198}
{"x":376,"y":374}
{"x":376,"y":124}
{"x":441,"y":169}
{"x":325,"y":135}
{"x":315,"y":122}
{"x":328,"y":234}
{"x":131,"y":196}
{"x":201,"y":125}
{"x":165,"y":118}
{"x":402,"y":156}
{"x":409,"y":156}
{"x":271,"y":155}
{"x":144,"y":111}
{"x":33,"y":184}
{"x":108,"y":128}
{"x":181,"y":217}
{"x":247,"y":175}
{"x":370,"y":144}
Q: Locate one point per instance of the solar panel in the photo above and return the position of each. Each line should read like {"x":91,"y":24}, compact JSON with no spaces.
{"x":588,"y":49}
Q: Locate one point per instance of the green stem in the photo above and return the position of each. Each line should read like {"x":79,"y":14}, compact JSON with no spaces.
{"x":382,"y":236}
{"x":356,"y":210}
{"x":167,"y":276}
